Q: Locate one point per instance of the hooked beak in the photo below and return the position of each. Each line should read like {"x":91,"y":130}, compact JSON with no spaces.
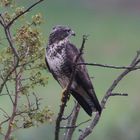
{"x":73,"y":33}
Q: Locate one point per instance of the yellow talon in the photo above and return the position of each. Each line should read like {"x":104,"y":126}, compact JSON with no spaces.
{"x":63,"y":95}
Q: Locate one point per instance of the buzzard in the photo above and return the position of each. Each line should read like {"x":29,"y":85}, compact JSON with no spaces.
{"x":60,"y":57}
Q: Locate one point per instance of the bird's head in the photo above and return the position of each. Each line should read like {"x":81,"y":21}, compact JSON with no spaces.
{"x":60,"y":33}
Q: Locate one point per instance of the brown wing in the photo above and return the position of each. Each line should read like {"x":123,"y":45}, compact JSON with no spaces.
{"x":83,"y":80}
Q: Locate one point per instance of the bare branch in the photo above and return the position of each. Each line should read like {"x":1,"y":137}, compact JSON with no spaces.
{"x":36,"y":101}
{"x":67,"y":117}
{"x":4,"y":121}
{"x":96,"y":119}
{"x":22,"y":13}
{"x":109,"y":66}
{"x":74,"y":126}
{"x":6,"y":114}
{"x":118,"y":94}
{"x":31,"y":108}
{"x":72,"y":122}
{"x":1,"y":21}
{"x":9,"y":93}
{"x":8,"y":36}
{"x":10,"y":41}
{"x":11,"y":120}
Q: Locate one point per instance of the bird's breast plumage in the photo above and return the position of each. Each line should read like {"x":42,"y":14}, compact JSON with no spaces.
{"x":57,"y":60}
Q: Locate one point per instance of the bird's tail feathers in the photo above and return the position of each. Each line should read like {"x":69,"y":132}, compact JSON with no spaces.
{"x":87,"y":105}
{"x":97,"y":106}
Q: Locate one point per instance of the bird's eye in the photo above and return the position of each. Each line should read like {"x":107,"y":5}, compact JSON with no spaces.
{"x":68,"y":30}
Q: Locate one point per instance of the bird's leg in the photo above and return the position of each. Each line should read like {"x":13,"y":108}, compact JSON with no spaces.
{"x":63,"y":95}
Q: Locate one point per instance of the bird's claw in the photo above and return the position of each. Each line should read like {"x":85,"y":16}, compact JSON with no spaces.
{"x":63,"y":95}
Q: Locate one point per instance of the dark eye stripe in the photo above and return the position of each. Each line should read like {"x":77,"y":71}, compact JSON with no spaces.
{"x":68,"y":30}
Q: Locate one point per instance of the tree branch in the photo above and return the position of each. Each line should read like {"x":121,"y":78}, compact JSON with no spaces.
{"x":10,"y":41}
{"x":22,"y":13}
{"x":118,"y":94}
{"x":109,"y":66}
{"x":6,"y":114}
{"x":74,"y":126}
{"x":71,"y":124}
{"x":96,"y":119}
{"x":11,"y":121}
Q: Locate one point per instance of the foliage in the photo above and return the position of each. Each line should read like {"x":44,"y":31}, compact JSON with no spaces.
{"x":20,"y":76}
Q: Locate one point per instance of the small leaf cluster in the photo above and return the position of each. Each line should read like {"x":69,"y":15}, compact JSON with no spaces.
{"x":6,"y":2}
{"x":37,"y":118}
{"x":37,"y":19}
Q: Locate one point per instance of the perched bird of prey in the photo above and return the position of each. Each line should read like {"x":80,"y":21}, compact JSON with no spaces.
{"x":60,"y":57}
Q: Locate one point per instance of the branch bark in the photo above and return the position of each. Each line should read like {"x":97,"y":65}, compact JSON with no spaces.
{"x":88,"y":130}
{"x":10,"y":41}
{"x":11,"y":121}
{"x":72,"y":122}
{"x":109,"y":66}
{"x":22,"y":13}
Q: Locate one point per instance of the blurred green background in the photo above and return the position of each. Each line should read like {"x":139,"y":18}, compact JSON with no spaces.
{"x":114,"y":29}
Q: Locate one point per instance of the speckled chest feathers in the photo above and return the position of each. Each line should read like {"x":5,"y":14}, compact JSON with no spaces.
{"x":57,"y":59}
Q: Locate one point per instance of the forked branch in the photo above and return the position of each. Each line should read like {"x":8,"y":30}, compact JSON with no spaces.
{"x":88,"y":130}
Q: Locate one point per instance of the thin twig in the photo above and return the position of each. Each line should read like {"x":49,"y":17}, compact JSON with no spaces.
{"x":2,"y":20}
{"x":118,"y":94}
{"x":74,"y":126}
{"x":4,"y":121}
{"x":31,"y":108}
{"x":10,"y":41}
{"x":109,"y":66}
{"x":22,"y":13}
{"x":36,"y":101}
{"x":7,"y":116}
{"x":67,"y":117}
{"x":9,"y":93}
